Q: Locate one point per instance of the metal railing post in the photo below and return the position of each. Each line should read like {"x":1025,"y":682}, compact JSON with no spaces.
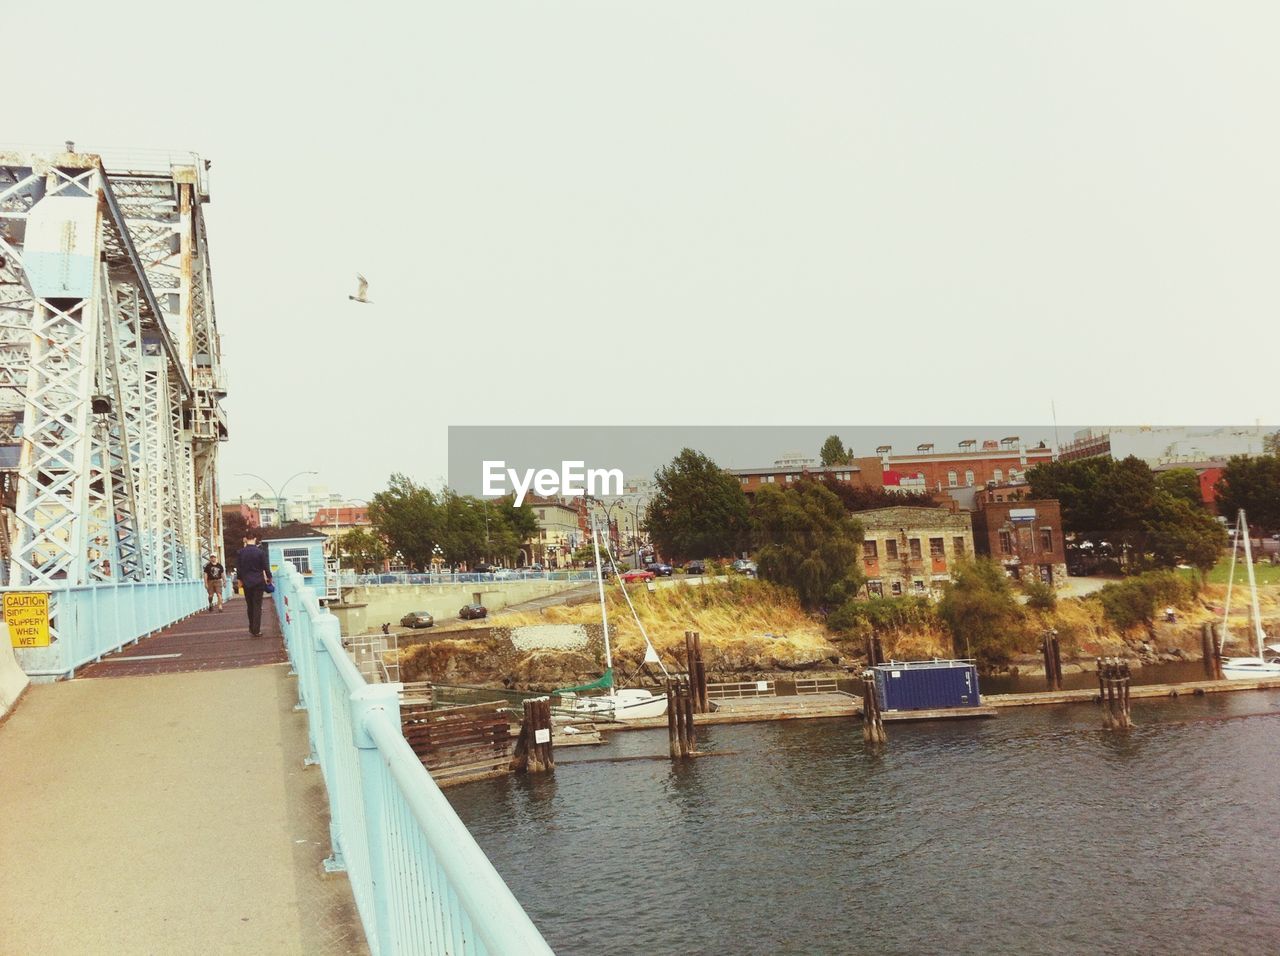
{"x":326,"y":674}
{"x":378,"y":702}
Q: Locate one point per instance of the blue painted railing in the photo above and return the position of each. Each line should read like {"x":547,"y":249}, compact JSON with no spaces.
{"x":421,"y":883}
{"x":96,"y":619}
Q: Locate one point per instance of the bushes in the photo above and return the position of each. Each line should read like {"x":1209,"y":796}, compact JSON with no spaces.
{"x":859,"y":618}
{"x":1134,"y":602}
{"x":980,"y":611}
{"x":1040,"y":596}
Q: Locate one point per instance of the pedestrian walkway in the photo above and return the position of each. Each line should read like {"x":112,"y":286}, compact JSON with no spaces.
{"x":167,"y":809}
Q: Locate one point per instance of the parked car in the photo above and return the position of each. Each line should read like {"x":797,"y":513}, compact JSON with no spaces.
{"x":471,"y":612}
{"x":417,"y":619}
{"x":637,"y":575}
{"x":483,"y":569}
{"x":743,"y":566}
{"x":695,"y":567}
{"x":504,"y":574}
{"x":660,"y":570}
{"x":534,"y":567}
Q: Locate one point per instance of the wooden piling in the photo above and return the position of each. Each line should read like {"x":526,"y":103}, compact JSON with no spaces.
{"x":875,"y":651}
{"x":1057,"y":660}
{"x":1115,"y":678}
{"x":1216,"y":645}
{"x":681,"y":738}
{"x":1046,"y":651}
{"x":673,"y":733}
{"x":1207,"y":649}
{"x":533,"y":752}
{"x":872,"y":723}
{"x":697,"y":671}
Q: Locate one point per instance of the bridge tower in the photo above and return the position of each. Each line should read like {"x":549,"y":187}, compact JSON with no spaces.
{"x":110,"y":369}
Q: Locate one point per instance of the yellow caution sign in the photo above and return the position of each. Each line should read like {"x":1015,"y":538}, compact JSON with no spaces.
{"x":27,"y":614}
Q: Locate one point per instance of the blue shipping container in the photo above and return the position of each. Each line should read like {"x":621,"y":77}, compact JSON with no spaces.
{"x":927,"y":685}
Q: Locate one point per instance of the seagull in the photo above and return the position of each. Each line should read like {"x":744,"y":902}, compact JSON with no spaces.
{"x":362,"y":293}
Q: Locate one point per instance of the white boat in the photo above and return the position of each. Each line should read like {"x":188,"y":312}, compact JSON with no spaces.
{"x":630,"y":703}
{"x":1244,"y":668}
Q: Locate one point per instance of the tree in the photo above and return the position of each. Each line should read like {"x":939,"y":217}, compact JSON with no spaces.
{"x":698,"y":510}
{"x":834,"y":452}
{"x":361,"y":549}
{"x":407,"y":516}
{"x":808,"y":542}
{"x":980,"y":611}
{"x":234,"y":528}
{"x":1182,"y":483}
{"x":861,"y":498}
{"x":1254,"y":485}
{"x":1178,"y":531}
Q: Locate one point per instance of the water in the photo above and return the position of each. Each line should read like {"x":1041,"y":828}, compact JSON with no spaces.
{"x":1036,"y":832}
{"x":1169,"y":673}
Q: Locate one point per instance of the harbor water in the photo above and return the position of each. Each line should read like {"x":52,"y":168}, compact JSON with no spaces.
{"x":1036,"y":832}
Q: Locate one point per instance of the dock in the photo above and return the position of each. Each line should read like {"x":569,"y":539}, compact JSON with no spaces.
{"x":1088,"y":695}
{"x":802,"y":707}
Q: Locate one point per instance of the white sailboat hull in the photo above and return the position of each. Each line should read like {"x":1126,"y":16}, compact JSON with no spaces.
{"x":1245,"y":668}
{"x":628,"y":704}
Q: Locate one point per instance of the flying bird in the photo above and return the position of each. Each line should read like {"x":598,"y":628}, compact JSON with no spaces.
{"x":362,"y":292}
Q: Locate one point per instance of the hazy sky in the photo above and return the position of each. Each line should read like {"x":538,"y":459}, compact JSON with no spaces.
{"x":712,"y":212}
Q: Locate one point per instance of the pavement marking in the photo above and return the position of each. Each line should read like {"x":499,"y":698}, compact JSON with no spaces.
{"x":140,"y":657}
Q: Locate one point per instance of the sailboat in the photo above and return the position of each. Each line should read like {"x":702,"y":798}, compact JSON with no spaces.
{"x":628,"y":703}
{"x":1243,"y":668}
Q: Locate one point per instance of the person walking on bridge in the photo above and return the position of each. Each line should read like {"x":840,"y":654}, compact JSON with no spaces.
{"x":215,"y":580}
{"x":254,"y":574}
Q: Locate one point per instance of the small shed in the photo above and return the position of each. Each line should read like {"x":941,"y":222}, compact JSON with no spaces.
{"x":927,"y":685}
{"x":300,"y":545}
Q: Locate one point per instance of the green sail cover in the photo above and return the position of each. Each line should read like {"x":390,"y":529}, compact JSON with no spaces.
{"x":602,"y":683}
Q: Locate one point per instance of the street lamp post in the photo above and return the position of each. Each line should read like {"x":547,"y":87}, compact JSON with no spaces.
{"x":278,"y":497}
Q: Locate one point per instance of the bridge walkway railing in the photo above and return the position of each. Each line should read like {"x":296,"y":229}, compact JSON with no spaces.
{"x":421,"y":883}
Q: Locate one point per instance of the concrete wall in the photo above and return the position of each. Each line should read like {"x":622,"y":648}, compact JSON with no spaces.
{"x":390,"y":602}
{"x":12,"y":680}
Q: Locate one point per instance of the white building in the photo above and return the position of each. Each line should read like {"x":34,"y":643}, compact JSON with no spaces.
{"x":1165,"y":444}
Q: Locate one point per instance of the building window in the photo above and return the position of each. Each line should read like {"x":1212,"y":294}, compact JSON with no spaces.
{"x":957,"y":545}
{"x":300,"y":558}
{"x":936,"y":548}
{"x":919,"y":583}
{"x":896,"y":588}
{"x":876,"y":588}
{"x":915,"y":549}
{"x":999,"y":475}
{"x":767,"y":479}
{"x":968,"y":479}
{"x":869,"y":550}
{"x":1046,"y":540}
{"x":951,"y":480}
{"x":1006,"y":542}
{"x":542,"y":514}
{"x":891,"y":549}
{"x":744,"y":479}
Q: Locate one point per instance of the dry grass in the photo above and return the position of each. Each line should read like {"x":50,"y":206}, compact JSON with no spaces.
{"x":739,"y":620}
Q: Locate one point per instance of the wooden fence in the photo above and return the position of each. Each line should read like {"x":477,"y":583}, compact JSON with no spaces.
{"x":461,"y":742}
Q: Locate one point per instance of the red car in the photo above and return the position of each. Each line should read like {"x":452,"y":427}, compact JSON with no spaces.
{"x":637,"y":575}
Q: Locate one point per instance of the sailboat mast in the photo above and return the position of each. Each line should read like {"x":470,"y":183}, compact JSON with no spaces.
{"x":604,"y":613}
{"x":1253,"y":585}
{"x":1231,"y":580}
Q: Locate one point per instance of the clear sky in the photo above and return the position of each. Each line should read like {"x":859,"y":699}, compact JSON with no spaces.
{"x":722,"y":212}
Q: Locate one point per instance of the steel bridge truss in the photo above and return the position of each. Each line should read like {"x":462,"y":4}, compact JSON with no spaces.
{"x":110,"y":372}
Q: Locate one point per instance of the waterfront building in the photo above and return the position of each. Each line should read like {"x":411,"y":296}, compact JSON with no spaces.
{"x":1023,"y":534}
{"x":1165,"y":444}
{"x":560,"y":531}
{"x":972,"y":464}
{"x":910,"y":550}
{"x":786,"y":471}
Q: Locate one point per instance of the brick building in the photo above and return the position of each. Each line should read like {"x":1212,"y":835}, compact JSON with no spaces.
{"x":908,"y":550}
{"x":863,"y":472}
{"x":1023,"y":535}
{"x":972,"y":464}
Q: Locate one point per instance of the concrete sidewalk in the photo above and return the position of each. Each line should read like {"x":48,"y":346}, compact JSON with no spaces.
{"x":166,"y":814}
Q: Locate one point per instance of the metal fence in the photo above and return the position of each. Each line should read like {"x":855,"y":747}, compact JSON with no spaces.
{"x":421,"y":883}
{"x":737,"y":690}
{"x":88,"y":621}
{"x":350,"y":579}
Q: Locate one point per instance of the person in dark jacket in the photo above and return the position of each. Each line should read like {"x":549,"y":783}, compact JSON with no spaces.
{"x":254,"y":574}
